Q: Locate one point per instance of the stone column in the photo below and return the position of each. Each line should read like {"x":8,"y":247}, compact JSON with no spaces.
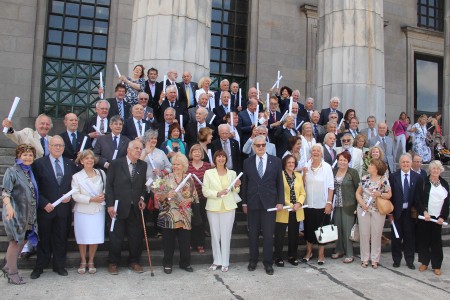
{"x":171,"y":34}
{"x":446,"y":102}
{"x":350,"y":58}
{"x":311,"y":49}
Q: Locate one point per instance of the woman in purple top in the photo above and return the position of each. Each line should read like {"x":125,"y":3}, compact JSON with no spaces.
{"x":399,"y":130}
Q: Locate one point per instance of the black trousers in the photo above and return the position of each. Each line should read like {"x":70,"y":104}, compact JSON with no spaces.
{"x":261,"y":220}
{"x":184,"y":237}
{"x":406,"y":241}
{"x":198,"y":231}
{"x":132,"y":227}
{"x":53,"y":233}
{"x":429,"y":243}
{"x":280,"y":230}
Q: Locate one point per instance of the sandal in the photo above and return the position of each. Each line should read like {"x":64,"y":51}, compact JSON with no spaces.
{"x":224,"y":269}
{"x":306,"y":259}
{"x":201,"y":249}
{"x":91,"y":268}
{"x":364,"y":264}
{"x":15,"y":278}
{"x":348,"y":260}
{"x":374,"y":265}
{"x":337,"y":255}
{"x":82,"y":268}
{"x":213,"y":267}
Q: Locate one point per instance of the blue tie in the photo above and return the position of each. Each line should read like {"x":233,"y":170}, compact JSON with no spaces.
{"x":405,"y":190}
{"x":59,"y":172}
{"x":43,"y":146}
{"x":260,"y":167}
{"x":74,"y":142}
{"x":115,"y":142}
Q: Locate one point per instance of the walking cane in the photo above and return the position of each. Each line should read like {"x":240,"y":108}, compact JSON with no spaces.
{"x":146,"y":243}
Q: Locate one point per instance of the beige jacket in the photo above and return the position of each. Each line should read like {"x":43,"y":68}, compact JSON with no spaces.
{"x":82,"y":196}
{"x":28,"y":136}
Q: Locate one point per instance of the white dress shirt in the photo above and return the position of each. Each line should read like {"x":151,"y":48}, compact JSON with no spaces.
{"x":264,"y":159}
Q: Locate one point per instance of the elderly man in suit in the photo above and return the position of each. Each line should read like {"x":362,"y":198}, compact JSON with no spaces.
{"x":136,"y":125}
{"x":357,"y":156}
{"x":329,"y":154}
{"x":234,"y":93}
{"x":224,"y":87}
{"x":126,"y":183}
{"x":387,"y":144}
{"x":117,"y":105}
{"x":189,"y":87}
{"x":262,"y":186}
{"x":334,"y":104}
{"x":257,"y":131}
{"x":221,"y":110}
{"x":371,"y":131}
{"x":202,"y":102}
{"x":230,"y":146}
{"x":416,"y":166}
{"x":106,"y":146}
{"x":171,"y":101}
{"x":247,"y":120}
{"x":192,"y":129}
{"x":317,"y":129}
{"x":73,"y":139}
{"x":152,"y":87}
{"x":100,"y":121}
{"x":148,"y":111}
{"x":53,"y":175}
{"x":306,"y":112}
{"x":407,"y":188}
{"x":172,"y":76}
{"x":282,"y":134}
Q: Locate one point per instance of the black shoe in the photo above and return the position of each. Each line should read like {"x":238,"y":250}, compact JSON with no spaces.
{"x":293,"y":261}
{"x":168,"y":270}
{"x":188,"y":269}
{"x":61,"y":272}
{"x":396,"y":264}
{"x":411,"y":266}
{"x":269,"y":270}
{"x":251,"y":267}
{"x":36,"y":273}
{"x":279,"y":262}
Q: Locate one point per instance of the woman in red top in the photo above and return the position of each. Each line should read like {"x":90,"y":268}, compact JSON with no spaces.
{"x":399,"y":130}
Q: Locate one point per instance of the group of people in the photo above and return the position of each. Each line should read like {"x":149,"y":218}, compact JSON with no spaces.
{"x":177,"y":151}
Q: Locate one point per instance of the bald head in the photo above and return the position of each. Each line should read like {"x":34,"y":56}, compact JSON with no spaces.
{"x":71,"y":122}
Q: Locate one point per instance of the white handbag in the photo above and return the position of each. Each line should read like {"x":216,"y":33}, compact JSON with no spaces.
{"x":326,"y":234}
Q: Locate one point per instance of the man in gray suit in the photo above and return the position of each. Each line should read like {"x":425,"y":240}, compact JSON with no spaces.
{"x":387,"y":144}
{"x":107,"y":144}
{"x":370,"y":132}
{"x":262,"y":186}
{"x":202,"y":102}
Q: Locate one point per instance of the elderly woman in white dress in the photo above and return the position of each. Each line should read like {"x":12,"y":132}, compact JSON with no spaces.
{"x":89,"y":211}
{"x":308,"y":140}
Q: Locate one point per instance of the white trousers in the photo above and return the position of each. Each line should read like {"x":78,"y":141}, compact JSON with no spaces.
{"x":400,"y":140}
{"x":221,"y":226}
{"x":370,"y":231}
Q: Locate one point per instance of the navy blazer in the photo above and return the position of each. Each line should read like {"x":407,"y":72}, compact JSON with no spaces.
{"x":87,"y":128}
{"x":220,"y":113}
{"x":129,"y":130}
{"x":194,"y":87}
{"x":415,"y":191}
{"x":114,"y":109}
{"x":245,"y":123}
{"x":324,"y":116}
{"x":235,"y":152}
{"x":281,"y":137}
{"x":68,"y":149}
{"x":49,"y":189}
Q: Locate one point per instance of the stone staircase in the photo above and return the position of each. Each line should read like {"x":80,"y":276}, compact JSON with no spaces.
{"x":239,"y":243}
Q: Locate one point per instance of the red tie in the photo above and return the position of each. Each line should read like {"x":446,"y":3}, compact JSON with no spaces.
{"x":274,"y":116}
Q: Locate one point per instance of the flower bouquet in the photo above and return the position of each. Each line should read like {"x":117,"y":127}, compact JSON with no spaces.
{"x":160,"y":188}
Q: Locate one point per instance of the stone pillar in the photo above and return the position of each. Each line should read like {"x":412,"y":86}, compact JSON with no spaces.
{"x":311,"y":49}
{"x":350,"y":58}
{"x":171,"y":34}
{"x":446,"y":102}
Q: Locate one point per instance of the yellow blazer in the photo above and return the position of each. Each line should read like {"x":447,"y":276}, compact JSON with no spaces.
{"x":211,"y":186}
{"x":300,"y":194}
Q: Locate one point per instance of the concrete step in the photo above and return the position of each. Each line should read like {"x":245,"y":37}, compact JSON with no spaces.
{"x":7,"y":160}
{"x":8,"y":152}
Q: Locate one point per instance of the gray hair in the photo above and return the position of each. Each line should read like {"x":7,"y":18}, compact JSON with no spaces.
{"x":145,"y":94}
{"x":224,"y":93}
{"x":334,"y":99}
{"x":262,"y":127}
{"x":309,"y":99}
{"x":101,"y":102}
{"x":224,"y":126}
{"x":43,"y":116}
{"x":371,"y":117}
{"x":149,"y":134}
{"x":435,"y":164}
{"x":171,"y":87}
{"x":225,"y":81}
{"x":131,"y":144}
{"x":333,"y":113}
{"x":259,"y":138}
{"x":315,"y":112}
{"x":319,"y":146}
{"x":115,"y":119}
{"x":407,"y":155}
{"x":328,"y":135}
{"x":170,"y":108}
{"x":203,"y":111}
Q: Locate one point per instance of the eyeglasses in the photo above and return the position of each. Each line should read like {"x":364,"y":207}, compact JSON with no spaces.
{"x":143,"y":98}
{"x":417,"y":162}
{"x":57,"y":145}
{"x":259,"y":145}
{"x":103,"y":108}
{"x":346,"y":141}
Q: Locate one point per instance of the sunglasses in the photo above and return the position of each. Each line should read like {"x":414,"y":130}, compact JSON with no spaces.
{"x":259,"y":145}
{"x":346,"y":141}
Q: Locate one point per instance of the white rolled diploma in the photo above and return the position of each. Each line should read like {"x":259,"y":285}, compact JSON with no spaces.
{"x":274,"y":209}
{"x":267,"y":102}
{"x":290,"y":106}
{"x":395,"y":230}
{"x":340,"y":124}
{"x":210,"y":156}
{"x":142,"y":129}
{"x":284,"y":116}
{"x":116,"y":204}
{"x":83,"y":144}
{"x":240,"y":97}
{"x":367,"y":204}
{"x":117,"y":70}
{"x":303,"y":206}
{"x":229,"y":105}
{"x":432,"y":220}
{"x":96,"y":129}
{"x":149,"y":182}
{"x":151,"y":161}
{"x":231,"y":119}
{"x":198,"y":179}
{"x":180,"y":186}
{"x":11,"y":112}
{"x":169,"y":149}
{"x":277,"y":82}
{"x":181,"y":121}
{"x":101,"y":84}
{"x":115,"y":154}
{"x":279,"y":79}
{"x":234,"y":181}
{"x":212,"y":119}
{"x":256,"y":115}
{"x":67,"y":195}
{"x":257,"y":90}
{"x":164,"y":83}
{"x":377,"y":143}
{"x":334,"y":164}
{"x":299,"y":125}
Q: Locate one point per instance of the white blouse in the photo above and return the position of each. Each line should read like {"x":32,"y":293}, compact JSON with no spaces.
{"x":317,"y":185}
{"x":436,"y":200}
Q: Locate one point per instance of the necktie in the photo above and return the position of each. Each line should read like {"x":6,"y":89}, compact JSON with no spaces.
{"x":200,"y":126}
{"x":384,"y":144}
{"x":43,"y":146}
{"x":171,"y":104}
{"x":260,"y":167}
{"x":188,"y":95}
{"x":252,"y":118}
{"x":331,"y":154}
{"x":316,"y":131}
{"x":115,"y":142}
{"x":274,"y":117}
{"x":225,"y":148}
{"x":140,"y":128}
{"x":74,"y":142}
{"x":405,"y":191}
{"x":372,"y":133}
{"x":119,"y":106}
{"x":102,"y":126}
{"x":59,"y":172}
{"x":133,"y":170}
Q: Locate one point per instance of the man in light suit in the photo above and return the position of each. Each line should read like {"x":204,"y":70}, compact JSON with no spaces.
{"x":357,"y":156}
{"x":371,"y":131}
{"x":232,"y":148}
{"x":329,"y":154}
{"x":107,"y":144}
{"x":132,"y":127}
{"x":53,"y":175}
{"x":387,"y":144}
{"x":189,"y":87}
{"x":117,"y":105}
{"x":202,"y":102}
{"x":126,"y":182}
{"x":262,"y":186}
{"x":38,"y":138}
{"x":100,"y":121}
{"x":334,"y":104}
{"x":407,"y":189}
{"x":73,"y":139}
{"x":248,"y":146}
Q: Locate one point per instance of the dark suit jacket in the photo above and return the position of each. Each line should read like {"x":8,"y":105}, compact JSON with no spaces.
{"x":194,"y":87}
{"x":415,"y":192}
{"x":303,"y":115}
{"x":191,"y":135}
{"x":114,"y":109}
{"x":422,"y":203}
{"x":68,"y":149}
{"x":324,"y":116}
{"x":49,"y":189}
{"x":120,"y":186}
{"x":245,"y":124}
{"x":220,"y":113}
{"x":87,"y":128}
{"x":266,"y":192}
{"x":129,"y":130}
{"x":153,"y":99}
{"x":235,"y":152}
{"x":281,"y":137}
{"x":217,"y":98}
{"x":180,"y":109}
{"x":284,"y":105}
{"x":104,"y":149}
{"x":181,"y":91}
{"x":327,"y":156}
{"x":234,"y":100}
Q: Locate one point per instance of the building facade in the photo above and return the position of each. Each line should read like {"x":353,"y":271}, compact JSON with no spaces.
{"x":381,"y":57}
